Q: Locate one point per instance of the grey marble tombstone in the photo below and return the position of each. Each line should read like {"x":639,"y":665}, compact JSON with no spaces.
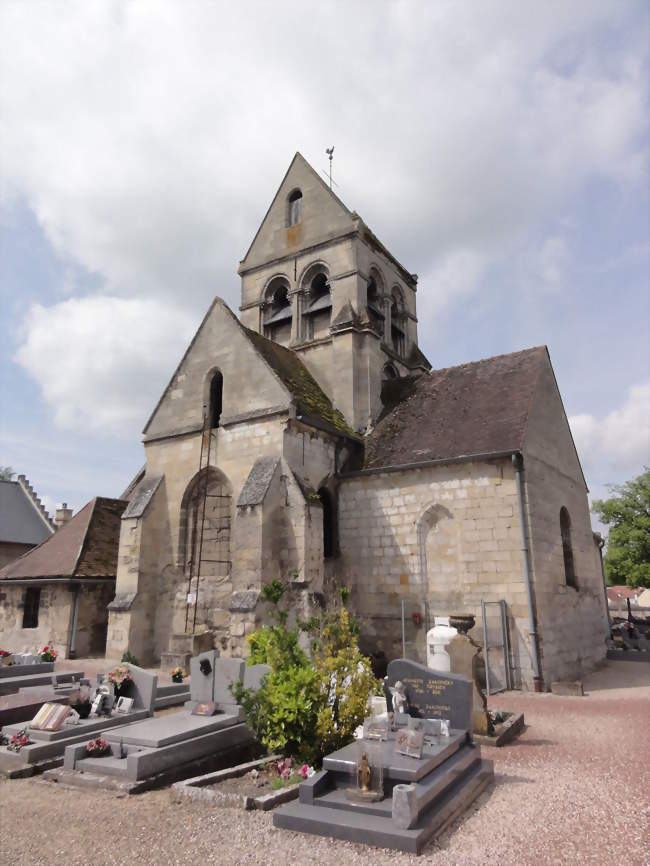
{"x":434,"y":694}
{"x":253,"y":676}
{"x":202,"y":684}
{"x":226,"y":671}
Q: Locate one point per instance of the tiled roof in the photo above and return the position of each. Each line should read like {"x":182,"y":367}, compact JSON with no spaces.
{"x":86,"y":546}
{"x":472,"y":409}
{"x":308,"y":396}
{"x":616,"y":592}
{"x":21,"y":519}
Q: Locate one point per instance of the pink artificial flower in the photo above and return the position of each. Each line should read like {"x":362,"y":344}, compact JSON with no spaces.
{"x":288,"y":762}
{"x":286,"y":773}
{"x":304,"y":770}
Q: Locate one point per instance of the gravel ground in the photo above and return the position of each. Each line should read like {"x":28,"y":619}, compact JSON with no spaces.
{"x":573,"y":789}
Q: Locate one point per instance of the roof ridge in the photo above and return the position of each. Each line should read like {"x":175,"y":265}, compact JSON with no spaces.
{"x":489,"y":358}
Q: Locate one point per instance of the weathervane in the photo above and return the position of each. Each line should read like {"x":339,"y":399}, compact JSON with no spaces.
{"x":330,"y":152}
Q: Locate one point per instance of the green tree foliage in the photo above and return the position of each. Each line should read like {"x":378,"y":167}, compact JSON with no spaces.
{"x":628,"y":546}
{"x":6,"y":473}
{"x":307,"y":707}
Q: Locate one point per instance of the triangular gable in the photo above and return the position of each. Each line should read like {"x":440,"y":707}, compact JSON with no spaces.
{"x":548,"y":434}
{"x":249,"y":383}
{"x":324,"y":216}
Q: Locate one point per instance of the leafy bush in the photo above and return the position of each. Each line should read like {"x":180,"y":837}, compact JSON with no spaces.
{"x":307,"y":707}
{"x":129,"y":659}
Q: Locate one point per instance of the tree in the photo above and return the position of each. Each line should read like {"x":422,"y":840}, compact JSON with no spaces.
{"x":628,"y":546}
{"x":6,"y":473}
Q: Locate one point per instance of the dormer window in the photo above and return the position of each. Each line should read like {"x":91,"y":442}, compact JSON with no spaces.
{"x":295,"y":208}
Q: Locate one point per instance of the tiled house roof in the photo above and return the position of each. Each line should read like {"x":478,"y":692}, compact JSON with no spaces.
{"x":472,"y":409}
{"x":86,"y":546}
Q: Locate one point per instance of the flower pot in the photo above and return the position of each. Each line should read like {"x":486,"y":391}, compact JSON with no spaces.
{"x":83,"y":709}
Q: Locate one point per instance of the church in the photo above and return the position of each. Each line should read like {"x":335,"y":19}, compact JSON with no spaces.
{"x":310,"y":441}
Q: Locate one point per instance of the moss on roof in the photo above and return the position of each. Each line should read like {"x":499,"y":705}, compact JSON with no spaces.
{"x":307,"y":394}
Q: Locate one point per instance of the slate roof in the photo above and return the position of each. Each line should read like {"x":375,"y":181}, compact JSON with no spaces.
{"x":86,"y":546}
{"x":472,"y":409}
{"x":309,"y":398}
{"x":20,"y":521}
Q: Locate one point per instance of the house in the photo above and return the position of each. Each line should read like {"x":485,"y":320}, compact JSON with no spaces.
{"x":58,"y":592}
{"x":24,"y":522}
{"x":310,"y":440}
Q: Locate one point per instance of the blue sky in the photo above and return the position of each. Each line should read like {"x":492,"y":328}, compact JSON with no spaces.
{"x":499,"y":149}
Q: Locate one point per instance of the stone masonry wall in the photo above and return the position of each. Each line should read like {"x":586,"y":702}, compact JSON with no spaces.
{"x":54,"y":619}
{"x":390,"y":528}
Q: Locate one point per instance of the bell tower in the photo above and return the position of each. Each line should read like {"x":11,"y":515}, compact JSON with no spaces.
{"x":316,"y":280}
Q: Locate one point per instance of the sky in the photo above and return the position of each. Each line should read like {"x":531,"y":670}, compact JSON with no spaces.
{"x":499,"y":149}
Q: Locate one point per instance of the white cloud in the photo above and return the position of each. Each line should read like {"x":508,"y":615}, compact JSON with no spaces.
{"x":99,"y":360}
{"x":617,"y":446}
{"x":148,"y":138}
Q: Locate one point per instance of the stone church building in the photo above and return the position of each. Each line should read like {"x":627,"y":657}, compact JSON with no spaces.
{"x":310,"y":440}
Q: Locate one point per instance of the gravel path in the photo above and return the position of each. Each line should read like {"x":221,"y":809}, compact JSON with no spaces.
{"x":574,"y":789}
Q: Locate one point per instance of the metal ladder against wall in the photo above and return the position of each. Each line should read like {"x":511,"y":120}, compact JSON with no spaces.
{"x":202,"y":496}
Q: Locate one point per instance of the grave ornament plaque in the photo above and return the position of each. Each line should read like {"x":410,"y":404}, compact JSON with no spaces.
{"x":432,"y":694}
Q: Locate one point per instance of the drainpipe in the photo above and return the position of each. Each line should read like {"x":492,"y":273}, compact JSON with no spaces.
{"x":517,"y":463}
{"x":600,"y":543}
{"x":73,"y":630}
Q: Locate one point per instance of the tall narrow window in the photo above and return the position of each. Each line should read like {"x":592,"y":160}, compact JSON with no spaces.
{"x":567,"y":549}
{"x":32,"y":604}
{"x":295,"y":207}
{"x":216,"y":399}
{"x":328,"y":523}
{"x":375,"y":314}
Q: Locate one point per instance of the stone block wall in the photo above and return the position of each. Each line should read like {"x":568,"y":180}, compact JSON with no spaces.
{"x":92,"y":619}
{"x":449,"y":535}
{"x":54,"y":619}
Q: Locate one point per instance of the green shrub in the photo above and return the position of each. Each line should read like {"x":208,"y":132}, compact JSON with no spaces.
{"x":130,"y":659}
{"x":306,"y":707}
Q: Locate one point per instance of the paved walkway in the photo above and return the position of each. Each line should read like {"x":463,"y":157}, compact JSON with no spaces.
{"x":573,"y":789}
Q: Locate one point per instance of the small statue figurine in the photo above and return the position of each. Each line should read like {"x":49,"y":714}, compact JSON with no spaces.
{"x":364,"y":773}
{"x":399,"y":701}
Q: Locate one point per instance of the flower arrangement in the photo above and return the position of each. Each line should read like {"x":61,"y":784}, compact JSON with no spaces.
{"x":118,"y":676}
{"x":4,"y":653}
{"x":5,"y":657}
{"x":48,"y":653}
{"x":290,"y":774}
{"x":178,"y":675}
{"x":97,"y":748}
{"x":18,"y":741}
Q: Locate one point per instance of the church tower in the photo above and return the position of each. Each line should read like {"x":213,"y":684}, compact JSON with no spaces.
{"x":316,"y":280}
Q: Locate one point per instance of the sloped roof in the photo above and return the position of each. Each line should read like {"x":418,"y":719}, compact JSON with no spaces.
{"x":86,"y":546}
{"x":308,"y":396}
{"x":20,"y":521}
{"x":472,"y":409}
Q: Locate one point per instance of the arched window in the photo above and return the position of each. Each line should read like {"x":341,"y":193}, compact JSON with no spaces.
{"x":205,"y":519}
{"x":389,"y":372}
{"x":317,"y":308}
{"x":375,"y":312}
{"x":215,"y":403}
{"x":567,"y":549}
{"x":328,"y":522}
{"x":397,"y":323}
{"x":277,"y":311}
{"x":295,"y":208}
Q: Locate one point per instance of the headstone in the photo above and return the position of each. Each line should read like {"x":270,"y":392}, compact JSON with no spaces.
{"x":226,"y":672}
{"x":434,"y":695}
{"x":142,"y":688}
{"x":202,"y":684}
{"x":253,"y":676}
{"x":464,"y":654}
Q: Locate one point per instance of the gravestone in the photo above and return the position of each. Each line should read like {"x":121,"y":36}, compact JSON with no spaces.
{"x":202,"y":684}
{"x":253,"y":676}
{"x":434,"y":695}
{"x":464,"y":654}
{"x":226,"y":672}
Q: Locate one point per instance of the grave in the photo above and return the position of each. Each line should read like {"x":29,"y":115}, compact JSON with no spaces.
{"x":421,"y":794}
{"x":47,"y":747}
{"x":10,"y":684}
{"x":211,"y":724}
